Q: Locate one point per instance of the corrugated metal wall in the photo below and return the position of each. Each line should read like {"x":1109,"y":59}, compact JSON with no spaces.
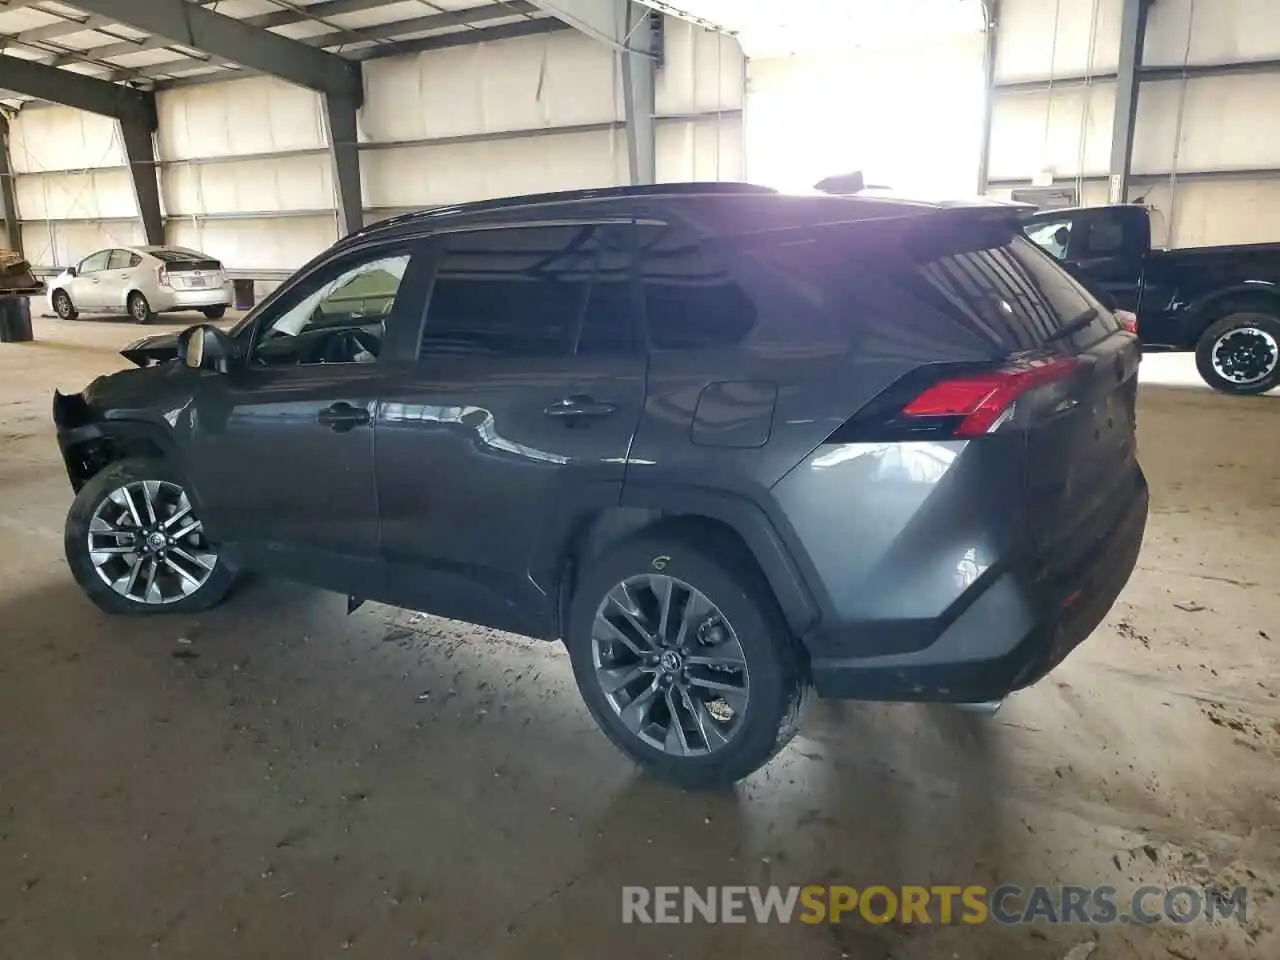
{"x":1206,"y":148}
{"x":245,"y":171}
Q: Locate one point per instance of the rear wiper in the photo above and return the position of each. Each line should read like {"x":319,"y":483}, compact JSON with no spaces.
{"x":1074,"y":325}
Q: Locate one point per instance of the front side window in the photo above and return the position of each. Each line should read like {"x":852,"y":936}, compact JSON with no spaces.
{"x":538,"y":291}
{"x":337,"y":315}
{"x":95,"y":262}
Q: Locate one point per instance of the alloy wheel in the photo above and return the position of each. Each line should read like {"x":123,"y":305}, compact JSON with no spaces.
{"x":670,"y":665}
{"x":1245,"y":355}
{"x":147,"y":544}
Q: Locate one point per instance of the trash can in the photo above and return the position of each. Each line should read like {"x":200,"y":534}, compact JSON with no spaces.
{"x":243,"y":294}
{"x":15,"y":320}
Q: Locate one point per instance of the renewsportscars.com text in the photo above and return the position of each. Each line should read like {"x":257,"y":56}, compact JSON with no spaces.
{"x":938,"y":904}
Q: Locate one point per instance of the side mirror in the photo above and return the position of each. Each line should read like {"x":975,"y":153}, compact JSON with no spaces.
{"x":71,"y":271}
{"x":205,"y":347}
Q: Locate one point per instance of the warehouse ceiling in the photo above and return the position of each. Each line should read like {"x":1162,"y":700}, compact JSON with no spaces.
{"x":80,"y":40}
{"x":772,"y":28}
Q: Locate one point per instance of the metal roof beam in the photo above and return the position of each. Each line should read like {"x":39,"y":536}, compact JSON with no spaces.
{"x":380,"y":32}
{"x":44,"y":82}
{"x":193,"y":26}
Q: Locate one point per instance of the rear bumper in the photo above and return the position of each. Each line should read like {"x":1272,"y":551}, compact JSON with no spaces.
{"x":192,"y":299}
{"x":1011,"y":634}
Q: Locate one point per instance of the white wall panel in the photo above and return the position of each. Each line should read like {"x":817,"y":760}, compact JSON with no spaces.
{"x":282,"y":244}
{"x":61,"y":138}
{"x":1060,"y":38}
{"x":419,"y":176}
{"x":556,"y":79}
{"x":702,"y":71}
{"x":1221,"y":128}
{"x":1066,"y":130}
{"x":1220,"y":31}
{"x":237,"y":117}
{"x":96,"y":193}
{"x":50,"y":243}
{"x":1209,"y":212}
{"x":700,"y":150}
{"x":249,"y":186}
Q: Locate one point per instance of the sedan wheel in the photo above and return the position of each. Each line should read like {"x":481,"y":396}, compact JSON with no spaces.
{"x":670,"y":665}
{"x":63,"y":306}
{"x":147,"y":544}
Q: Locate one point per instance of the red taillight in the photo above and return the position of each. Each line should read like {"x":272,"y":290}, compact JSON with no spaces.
{"x":982,"y":399}
{"x":1128,"y":320}
{"x":162,"y":276}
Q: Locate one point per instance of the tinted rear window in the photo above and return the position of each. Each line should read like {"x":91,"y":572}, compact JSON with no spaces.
{"x":987,"y":279}
{"x":181,"y":256}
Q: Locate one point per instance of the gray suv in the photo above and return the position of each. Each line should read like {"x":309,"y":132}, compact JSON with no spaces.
{"x":727,"y":445}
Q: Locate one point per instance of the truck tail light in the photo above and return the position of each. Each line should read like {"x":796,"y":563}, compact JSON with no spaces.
{"x":1128,"y":320}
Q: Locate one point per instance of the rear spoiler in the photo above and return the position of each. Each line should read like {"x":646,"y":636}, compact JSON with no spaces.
{"x":995,"y":214}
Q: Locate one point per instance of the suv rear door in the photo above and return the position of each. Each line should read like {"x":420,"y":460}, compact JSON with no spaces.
{"x":516,"y":420}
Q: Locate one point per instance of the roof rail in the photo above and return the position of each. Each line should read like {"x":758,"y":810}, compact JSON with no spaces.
{"x":689,"y":188}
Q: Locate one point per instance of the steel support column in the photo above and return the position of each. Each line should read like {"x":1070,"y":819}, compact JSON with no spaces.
{"x":139,"y":148}
{"x":1133,"y":29}
{"x":639,"y":73}
{"x":991,"y":11}
{"x":344,"y":149}
{"x":629,"y":29}
{"x":12,"y":226}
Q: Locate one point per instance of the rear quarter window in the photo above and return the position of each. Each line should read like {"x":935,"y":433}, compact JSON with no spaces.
{"x":933,"y":280}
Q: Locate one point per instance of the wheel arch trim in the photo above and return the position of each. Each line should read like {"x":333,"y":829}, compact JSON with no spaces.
{"x":753,"y":524}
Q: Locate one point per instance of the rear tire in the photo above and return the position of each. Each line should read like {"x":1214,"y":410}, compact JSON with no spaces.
{"x":1240,"y":354}
{"x":63,"y":306}
{"x":722,"y":738}
{"x":189,"y":575}
{"x":214,"y":313}
{"x":140,"y":308}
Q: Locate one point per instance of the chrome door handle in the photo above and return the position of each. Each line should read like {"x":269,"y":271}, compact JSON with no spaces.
{"x":578,"y":406}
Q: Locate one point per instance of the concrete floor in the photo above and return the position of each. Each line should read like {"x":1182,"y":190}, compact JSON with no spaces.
{"x":275,"y":779}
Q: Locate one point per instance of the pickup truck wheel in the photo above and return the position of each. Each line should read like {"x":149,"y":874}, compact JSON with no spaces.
{"x":684,"y":661}
{"x":1241,"y":354}
{"x":135,"y":544}
{"x":63,"y":306}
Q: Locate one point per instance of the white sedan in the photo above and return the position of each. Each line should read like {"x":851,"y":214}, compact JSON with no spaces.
{"x":142,"y":280}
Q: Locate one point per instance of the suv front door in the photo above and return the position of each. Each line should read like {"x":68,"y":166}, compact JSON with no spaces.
{"x":515,"y":421}
{"x":281,"y":451}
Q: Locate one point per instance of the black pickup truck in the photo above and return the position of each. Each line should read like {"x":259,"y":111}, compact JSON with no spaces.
{"x":1221,"y":302}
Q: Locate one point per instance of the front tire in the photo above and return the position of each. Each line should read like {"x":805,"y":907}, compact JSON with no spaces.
{"x":1240,"y":354}
{"x":63,"y":306}
{"x":135,"y":545}
{"x":683,"y":658}
{"x":139,"y":308}
{"x":214,"y":313}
